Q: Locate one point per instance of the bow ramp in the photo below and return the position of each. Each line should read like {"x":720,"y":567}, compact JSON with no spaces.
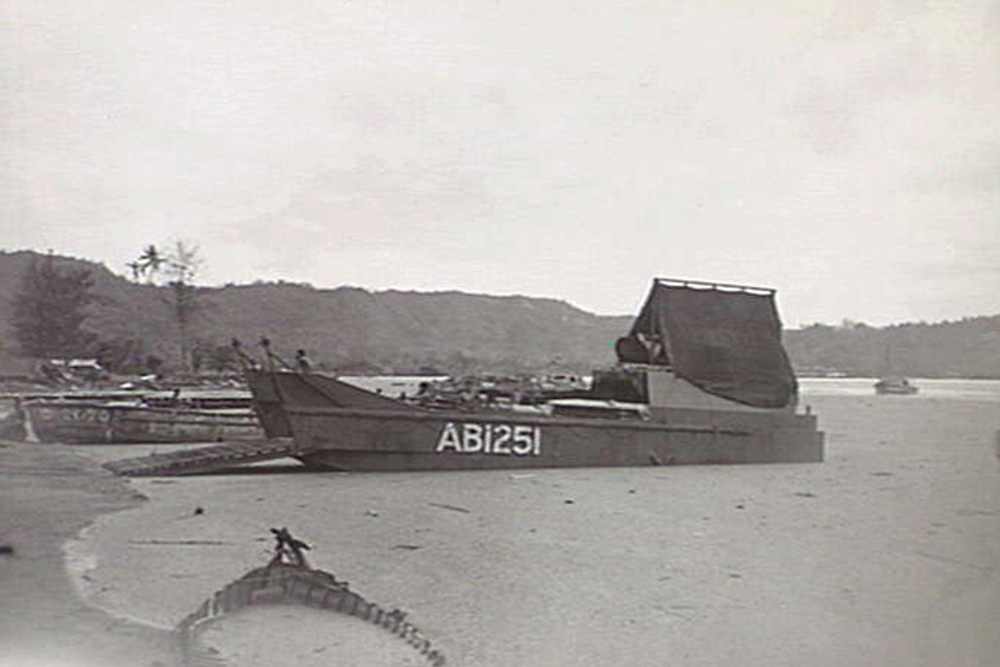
{"x":212,"y":458}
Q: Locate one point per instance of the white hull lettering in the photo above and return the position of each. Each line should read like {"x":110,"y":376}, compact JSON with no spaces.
{"x":523,"y":440}
{"x":472,"y":438}
{"x":500,"y":446}
{"x":496,"y":439}
{"x":74,"y":415}
{"x":449,"y":439}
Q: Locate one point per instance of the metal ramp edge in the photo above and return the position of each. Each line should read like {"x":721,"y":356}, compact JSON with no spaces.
{"x":203,"y":459}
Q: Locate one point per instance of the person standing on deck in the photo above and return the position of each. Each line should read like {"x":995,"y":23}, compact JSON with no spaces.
{"x":302,"y":363}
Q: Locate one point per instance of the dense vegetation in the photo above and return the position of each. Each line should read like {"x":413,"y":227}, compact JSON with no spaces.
{"x":49,"y":309}
{"x":355,"y":330}
{"x":349,"y":329}
{"x":968,"y":348}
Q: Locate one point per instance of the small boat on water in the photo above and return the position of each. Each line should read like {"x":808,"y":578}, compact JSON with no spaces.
{"x":895,"y":385}
{"x":892,"y":381}
{"x":702,"y":378}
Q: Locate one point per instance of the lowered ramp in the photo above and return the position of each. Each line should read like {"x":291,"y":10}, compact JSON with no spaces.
{"x":203,"y":459}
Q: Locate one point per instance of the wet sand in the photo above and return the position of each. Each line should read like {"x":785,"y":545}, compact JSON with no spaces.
{"x":886,"y":554}
{"x":47,"y":495}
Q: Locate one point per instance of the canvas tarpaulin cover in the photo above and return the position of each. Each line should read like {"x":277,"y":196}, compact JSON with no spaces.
{"x":727,"y":341}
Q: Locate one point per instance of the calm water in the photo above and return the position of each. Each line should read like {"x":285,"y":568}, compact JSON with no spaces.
{"x":976,"y":390}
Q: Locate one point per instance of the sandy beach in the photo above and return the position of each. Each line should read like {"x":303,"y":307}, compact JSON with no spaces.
{"x":47,"y":495}
{"x":888,"y":553}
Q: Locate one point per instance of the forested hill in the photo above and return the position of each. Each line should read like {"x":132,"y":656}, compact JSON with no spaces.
{"x":345,"y":328}
{"x":968,"y":348}
{"x":355,"y":330}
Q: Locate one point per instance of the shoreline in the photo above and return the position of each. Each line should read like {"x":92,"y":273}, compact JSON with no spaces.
{"x":48,"y":495}
{"x":80,"y":560}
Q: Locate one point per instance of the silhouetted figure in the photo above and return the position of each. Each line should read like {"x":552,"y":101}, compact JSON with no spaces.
{"x":246,"y":360}
{"x":287,"y":549}
{"x":15,"y":427}
{"x":302,"y":363}
{"x":265,"y":343}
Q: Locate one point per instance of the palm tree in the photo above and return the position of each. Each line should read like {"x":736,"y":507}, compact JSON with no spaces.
{"x":149,"y":262}
{"x":179,"y":268}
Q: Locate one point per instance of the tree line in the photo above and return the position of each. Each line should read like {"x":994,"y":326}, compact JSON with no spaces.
{"x":965,"y":348}
{"x":156,"y":319}
{"x":50,"y":313}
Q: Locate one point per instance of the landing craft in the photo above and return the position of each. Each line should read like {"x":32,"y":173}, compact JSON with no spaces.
{"x":702,"y":378}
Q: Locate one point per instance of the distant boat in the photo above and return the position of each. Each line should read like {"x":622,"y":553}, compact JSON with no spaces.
{"x":895,"y":385}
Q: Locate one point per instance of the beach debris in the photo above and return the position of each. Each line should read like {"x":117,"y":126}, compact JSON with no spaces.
{"x":568,"y":501}
{"x":805,"y":494}
{"x":453,"y":508}
{"x":407,"y":547}
{"x":6,"y":549}
{"x":967,"y":511}
{"x":199,"y":510}
{"x":287,"y":578}
{"x":671,"y":611}
{"x":198,"y":543}
{"x":371,"y":513}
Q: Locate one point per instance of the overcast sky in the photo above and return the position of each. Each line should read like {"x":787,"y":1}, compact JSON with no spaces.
{"x":846,"y":153}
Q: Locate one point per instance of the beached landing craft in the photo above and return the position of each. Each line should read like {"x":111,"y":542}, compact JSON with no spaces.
{"x":82,"y":421}
{"x":702,"y":378}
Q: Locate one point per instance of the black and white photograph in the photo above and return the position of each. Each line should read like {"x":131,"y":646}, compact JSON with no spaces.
{"x":492,"y":334}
